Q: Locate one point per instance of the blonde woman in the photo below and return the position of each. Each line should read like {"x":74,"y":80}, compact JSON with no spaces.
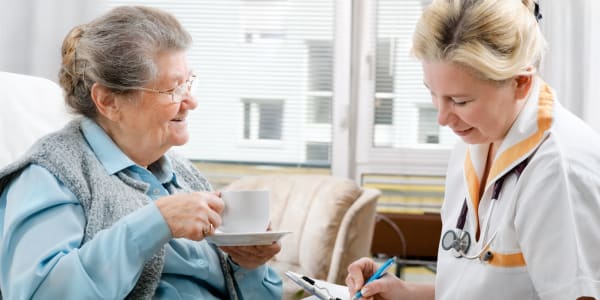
{"x":522,"y":202}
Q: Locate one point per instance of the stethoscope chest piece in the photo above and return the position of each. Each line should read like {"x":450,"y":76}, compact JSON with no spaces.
{"x":459,"y":240}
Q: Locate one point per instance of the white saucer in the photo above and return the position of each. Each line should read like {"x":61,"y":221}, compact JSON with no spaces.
{"x":245,"y":238}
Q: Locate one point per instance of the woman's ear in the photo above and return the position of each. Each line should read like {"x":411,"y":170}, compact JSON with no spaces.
{"x":523,"y":85}
{"x":105,"y":101}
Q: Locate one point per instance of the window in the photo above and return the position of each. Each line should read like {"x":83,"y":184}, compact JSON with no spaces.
{"x":318,"y":153}
{"x":383,"y":120}
{"x":428,"y":127}
{"x":384,"y":109}
{"x":320,"y":109}
{"x":394,"y":108}
{"x":256,"y":28}
{"x":320,"y":65}
{"x":399,"y":76}
{"x":320,"y":80}
{"x":384,"y":69}
{"x":262,"y":119}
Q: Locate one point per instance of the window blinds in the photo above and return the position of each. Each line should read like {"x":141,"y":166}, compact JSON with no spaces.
{"x":404,"y":115}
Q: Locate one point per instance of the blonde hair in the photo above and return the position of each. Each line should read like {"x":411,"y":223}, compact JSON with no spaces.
{"x":117,"y":50}
{"x":497,"y":39}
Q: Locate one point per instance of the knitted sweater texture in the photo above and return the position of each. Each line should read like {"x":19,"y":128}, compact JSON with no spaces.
{"x":106,"y":198}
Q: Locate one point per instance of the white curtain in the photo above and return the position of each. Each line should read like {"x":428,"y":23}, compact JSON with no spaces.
{"x":31,"y":32}
{"x":572,"y":63}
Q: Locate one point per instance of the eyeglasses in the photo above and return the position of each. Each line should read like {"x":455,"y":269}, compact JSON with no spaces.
{"x":177,"y":93}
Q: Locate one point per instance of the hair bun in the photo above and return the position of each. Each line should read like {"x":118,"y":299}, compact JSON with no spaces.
{"x":70,"y":43}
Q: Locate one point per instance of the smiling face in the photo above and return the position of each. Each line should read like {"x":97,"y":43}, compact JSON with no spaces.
{"x":146,"y":124}
{"x":478,"y":111}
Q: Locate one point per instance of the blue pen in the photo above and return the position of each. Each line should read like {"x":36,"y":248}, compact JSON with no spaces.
{"x":378,"y":274}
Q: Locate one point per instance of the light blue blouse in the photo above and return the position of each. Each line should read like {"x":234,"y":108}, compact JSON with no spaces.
{"x":42,"y":225}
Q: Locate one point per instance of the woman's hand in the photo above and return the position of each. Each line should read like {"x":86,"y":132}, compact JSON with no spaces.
{"x":386,"y":287}
{"x":192,"y":216}
{"x":251,"y":257}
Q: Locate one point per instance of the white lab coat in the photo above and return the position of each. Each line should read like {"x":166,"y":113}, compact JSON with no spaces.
{"x":546,"y":222}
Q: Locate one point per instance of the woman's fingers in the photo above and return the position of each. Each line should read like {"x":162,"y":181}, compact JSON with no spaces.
{"x":191,"y":215}
{"x":358,"y":271}
{"x":251,"y":257}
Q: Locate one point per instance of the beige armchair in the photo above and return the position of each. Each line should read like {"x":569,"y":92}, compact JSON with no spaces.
{"x":331,"y":220}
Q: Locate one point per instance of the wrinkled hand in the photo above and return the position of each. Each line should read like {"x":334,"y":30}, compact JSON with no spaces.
{"x":251,"y":257}
{"x":386,"y":287}
{"x":191,"y":215}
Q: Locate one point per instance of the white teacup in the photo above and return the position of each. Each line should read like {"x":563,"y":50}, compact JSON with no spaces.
{"x":245,"y":211}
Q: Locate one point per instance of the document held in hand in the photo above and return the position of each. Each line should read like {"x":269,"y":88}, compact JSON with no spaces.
{"x":320,"y":289}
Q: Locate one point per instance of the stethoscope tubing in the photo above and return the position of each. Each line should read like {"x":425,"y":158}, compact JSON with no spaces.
{"x":461,"y":243}
{"x":479,"y":255}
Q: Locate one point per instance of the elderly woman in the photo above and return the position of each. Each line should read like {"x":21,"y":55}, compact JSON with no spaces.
{"x":101,"y":209}
{"x":521,"y":211}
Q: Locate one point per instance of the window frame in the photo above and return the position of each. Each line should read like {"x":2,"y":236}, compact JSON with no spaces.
{"x":414,"y":160}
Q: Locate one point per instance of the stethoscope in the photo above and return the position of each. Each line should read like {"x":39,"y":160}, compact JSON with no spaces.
{"x":459,"y":241}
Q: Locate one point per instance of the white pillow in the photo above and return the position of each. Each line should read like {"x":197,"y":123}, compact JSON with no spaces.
{"x":30,"y":107}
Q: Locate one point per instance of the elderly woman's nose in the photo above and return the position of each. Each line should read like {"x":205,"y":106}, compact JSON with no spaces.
{"x":189,"y":101}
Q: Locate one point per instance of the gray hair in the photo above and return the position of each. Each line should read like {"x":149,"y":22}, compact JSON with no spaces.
{"x":117,"y":50}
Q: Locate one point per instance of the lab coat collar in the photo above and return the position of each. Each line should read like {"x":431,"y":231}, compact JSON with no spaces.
{"x":529,"y":130}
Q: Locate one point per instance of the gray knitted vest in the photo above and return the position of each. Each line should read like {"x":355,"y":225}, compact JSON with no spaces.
{"x":107,"y":198}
